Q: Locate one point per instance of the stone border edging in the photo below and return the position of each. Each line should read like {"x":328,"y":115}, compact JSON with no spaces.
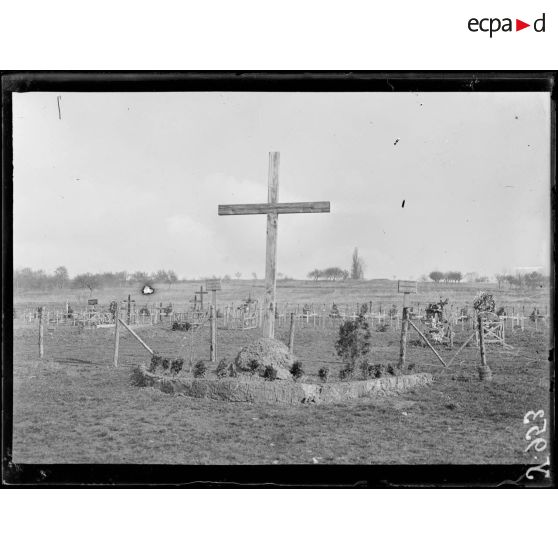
{"x":290,"y":393}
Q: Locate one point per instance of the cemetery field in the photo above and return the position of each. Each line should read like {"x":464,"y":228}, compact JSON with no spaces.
{"x":74,"y":407}
{"x":381,"y":292}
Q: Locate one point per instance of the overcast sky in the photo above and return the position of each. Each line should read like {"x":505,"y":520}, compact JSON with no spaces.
{"x":131,"y":181}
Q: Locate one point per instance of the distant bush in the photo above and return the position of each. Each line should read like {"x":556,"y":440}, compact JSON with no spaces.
{"x":382,"y":328}
{"x":200,"y":369}
{"x":177,"y":326}
{"x":165,"y":363}
{"x":297,"y":371}
{"x":323,"y":373}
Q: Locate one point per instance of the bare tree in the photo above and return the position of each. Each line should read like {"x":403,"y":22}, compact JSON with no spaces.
{"x":500,"y":279}
{"x":436,"y":276}
{"x":87,"y":281}
{"x":314,"y":274}
{"x":172,"y":278}
{"x":61,"y":276}
{"x":161,"y":276}
{"x":141,"y":277}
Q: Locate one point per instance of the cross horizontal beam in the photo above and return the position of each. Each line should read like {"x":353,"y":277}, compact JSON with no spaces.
{"x":259,"y":208}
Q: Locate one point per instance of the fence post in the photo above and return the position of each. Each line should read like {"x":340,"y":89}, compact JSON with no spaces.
{"x":404,"y":329}
{"x":212,"y":329}
{"x":41,"y":332}
{"x":484,"y":371}
{"x":116,"y":334}
{"x":291,"y":333}
{"x":450,"y":333}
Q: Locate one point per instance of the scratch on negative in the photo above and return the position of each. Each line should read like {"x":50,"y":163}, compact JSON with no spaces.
{"x":59,"y":113}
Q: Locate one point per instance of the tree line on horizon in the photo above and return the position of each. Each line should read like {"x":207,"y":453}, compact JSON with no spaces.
{"x":519,"y":280}
{"x":522,"y":280}
{"x":29,"y":279}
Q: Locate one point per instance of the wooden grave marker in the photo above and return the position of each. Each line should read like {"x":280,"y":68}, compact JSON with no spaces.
{"x":405,"y":287}
{"x":128,"y":303}
{"x":201,"y":292}
{"x":272,"y":208}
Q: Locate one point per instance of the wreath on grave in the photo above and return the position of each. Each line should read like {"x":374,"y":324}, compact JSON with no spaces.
{"x":484,"y":302}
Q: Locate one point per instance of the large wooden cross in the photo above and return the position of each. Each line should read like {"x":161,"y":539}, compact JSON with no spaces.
{"x":272,"y":208}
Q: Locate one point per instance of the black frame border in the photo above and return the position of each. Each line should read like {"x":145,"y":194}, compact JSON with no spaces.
{"x":249,"y":476}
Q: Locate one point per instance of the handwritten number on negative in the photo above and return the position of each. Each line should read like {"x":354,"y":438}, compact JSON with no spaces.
{"x":536,"y":444}
{"x":526,"y":419}
{"x":539,"y":469}
{"x":531,"y":432}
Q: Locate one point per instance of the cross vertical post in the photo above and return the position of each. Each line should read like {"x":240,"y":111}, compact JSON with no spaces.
{"x":271,"y":248}
{"x":201,"y":292}
{"x":272,"y":208}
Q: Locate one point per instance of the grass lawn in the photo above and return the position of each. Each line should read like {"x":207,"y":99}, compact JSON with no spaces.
{"x":73,"y":407}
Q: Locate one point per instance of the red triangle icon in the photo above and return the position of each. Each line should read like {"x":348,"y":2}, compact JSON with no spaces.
{"x":519,"y":25}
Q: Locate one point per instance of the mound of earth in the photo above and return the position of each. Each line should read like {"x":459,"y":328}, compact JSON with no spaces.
{"x":266,"y":352}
